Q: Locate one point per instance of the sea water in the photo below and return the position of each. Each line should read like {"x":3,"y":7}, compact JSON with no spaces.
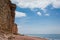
{"x":48,"y":36}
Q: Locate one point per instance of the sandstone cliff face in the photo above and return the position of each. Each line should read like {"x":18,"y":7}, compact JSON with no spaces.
{"x":7,"y":16}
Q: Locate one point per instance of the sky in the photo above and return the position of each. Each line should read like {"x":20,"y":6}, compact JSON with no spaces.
{"x":37,"y":16}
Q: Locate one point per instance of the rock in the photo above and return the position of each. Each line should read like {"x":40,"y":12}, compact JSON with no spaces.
{"x":7,"y":17}
{"x":7,"y":37}
{"x":14,"y":29}
{"x":8,"y":29}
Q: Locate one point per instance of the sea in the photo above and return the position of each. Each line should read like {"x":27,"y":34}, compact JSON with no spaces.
{"x":48,"y":36}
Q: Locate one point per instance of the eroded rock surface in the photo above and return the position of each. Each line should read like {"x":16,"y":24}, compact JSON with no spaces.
{"x":7,"y":16}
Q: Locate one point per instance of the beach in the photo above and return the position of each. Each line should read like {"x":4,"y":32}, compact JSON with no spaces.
{"x":18,"y":37}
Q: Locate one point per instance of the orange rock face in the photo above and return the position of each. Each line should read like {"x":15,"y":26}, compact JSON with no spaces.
{"x":7,"y":16}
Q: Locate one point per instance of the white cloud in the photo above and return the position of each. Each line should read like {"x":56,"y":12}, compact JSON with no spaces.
{"x":20,"y":14}
{"x":38,"y":13}
{"x":36,"y":3}
{"x":47,"y":14}
{"x":56,"y":4}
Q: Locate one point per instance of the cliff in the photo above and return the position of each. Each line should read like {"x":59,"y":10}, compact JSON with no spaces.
{"x":8,"y":29}
{"x":7,"y":16}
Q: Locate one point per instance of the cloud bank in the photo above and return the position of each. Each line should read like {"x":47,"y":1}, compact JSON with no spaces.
{"x":36,"y":3}
{"x":31,"y":4}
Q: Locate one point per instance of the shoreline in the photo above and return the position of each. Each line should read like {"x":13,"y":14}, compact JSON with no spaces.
{"x":18,"y":37}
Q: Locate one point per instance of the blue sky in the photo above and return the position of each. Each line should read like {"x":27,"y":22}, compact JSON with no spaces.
{"x":37,"y":16}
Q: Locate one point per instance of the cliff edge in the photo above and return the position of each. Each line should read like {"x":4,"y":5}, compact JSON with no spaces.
{"x":7,"y":16}
{"x":8,"y":29}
